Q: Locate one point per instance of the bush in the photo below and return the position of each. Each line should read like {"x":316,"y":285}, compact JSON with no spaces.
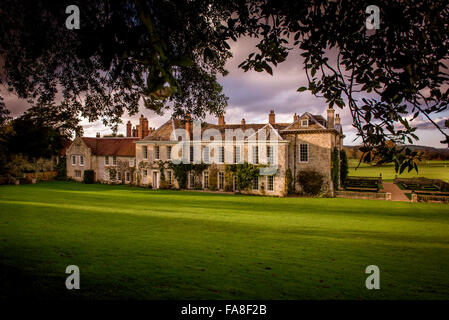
{"x":213,"y":177}
{"x":310,"y":181}
{"x":164,"y":185}
{"x":344,"y":168}
{"x":88,"y":176}
{"x":289,"y":181}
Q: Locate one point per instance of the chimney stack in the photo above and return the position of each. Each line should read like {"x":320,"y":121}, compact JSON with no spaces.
{"x":295,"y":117}
{"x":337,"y":119}
{"x":98,"y":134}
{"x":271,"y":117}
{"x":140,"y":127}
{"x":128,"y":129}
{"x":221,"y":120}
{"x":243,"y":121}
{"x":145,"y":127}
{"x":330,"y":118}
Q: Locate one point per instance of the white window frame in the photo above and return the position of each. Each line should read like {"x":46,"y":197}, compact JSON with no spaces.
{"x":220,"y":183}
{"x":191,"y":181}
{"x":221,"y":154}
{"x":256,"y":184}
{"x":157,"y":153}
{"x":169,"y":148}
{"x":119,"y":176}
{"x":268,"y":183}
{"x":131,"y":162}
{"x":144,"y":152}
{"x":127,"y":176}
{"x":206,"y":155}
{"x":237,"y":154}
{"x":106,"y":160}
{"x":73,"y":160}
{"x":255,"y":156}
{"x":114,"y":160}
{"x":270,"y":154}
{"x":81,"y":160}
{"x":206,"y":179}
{"x":304,"y":122}
{"x":78,"y":173}
{"x":299,"y":153}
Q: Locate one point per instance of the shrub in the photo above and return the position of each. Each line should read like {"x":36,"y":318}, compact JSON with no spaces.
{"x":164,"y":185}
{"x":335,"y":172}
{"x":344,"y":168}
{"x":88,"y":176}
{"x":289,"y":181}
{"x":61,"y":168}
{"x":310,"y":181}
{"x":213,"y":177}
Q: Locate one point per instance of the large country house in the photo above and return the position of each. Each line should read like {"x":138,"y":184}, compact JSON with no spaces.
{"x":306,"y":143}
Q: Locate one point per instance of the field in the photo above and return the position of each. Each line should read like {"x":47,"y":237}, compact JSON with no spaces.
{"x":143,"y":244}
{"x":427,"y":169}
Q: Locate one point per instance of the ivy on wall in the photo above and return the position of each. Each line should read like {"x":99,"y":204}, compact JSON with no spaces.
{"x":245,"y":174}
{"x":344,"y":168}
{"x":335,"y":171}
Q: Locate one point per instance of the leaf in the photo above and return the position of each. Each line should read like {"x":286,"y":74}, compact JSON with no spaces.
{"x":301,"y":89}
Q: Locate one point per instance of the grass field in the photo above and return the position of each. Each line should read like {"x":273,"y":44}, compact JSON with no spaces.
{"x":427,"y":169}
{"x":141,"y":244}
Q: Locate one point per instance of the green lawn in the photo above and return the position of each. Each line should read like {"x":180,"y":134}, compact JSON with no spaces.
{"x":141,"y":244}
{"x":426,"y":169}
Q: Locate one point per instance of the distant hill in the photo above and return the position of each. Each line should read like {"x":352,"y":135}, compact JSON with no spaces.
{"x":428,"y":153}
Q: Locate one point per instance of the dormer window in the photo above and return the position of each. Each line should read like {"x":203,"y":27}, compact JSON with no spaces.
{"x":305,"y":123}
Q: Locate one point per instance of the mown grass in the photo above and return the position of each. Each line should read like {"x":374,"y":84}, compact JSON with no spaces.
{"x":426,"y":169}
{"x":141,"y":244}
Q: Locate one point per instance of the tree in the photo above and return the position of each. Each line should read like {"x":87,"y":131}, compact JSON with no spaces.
{"x":167,"y":52}
{"x":158,"y":53}
{"x":344,"y":167}
{"x":34,"y":140}
{"x":386,"y":77}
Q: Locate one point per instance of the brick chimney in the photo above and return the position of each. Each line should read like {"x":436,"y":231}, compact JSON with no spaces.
{"x":221,"y":120}
{"x":134,"y":132}
{"x":98,"y":135}
{"x":243,"y":121}
{"x":145,"y":127}
{"x":140,"y":127}
{"x":295,"y":117}
{"x":128,"y":129}
{"x":337,"y":119}
{"x":330,"y":118}
{"x":271,"y":117}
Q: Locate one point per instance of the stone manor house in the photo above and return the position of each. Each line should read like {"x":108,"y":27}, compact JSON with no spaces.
{"x":304,"y":144}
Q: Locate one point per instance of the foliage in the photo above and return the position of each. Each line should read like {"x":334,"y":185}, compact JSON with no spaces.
{"x":335,"y":170}
{"x":229,"y":178}
{"x":61,"y":168}
{"x":17,"y":165}
{"x":310,"y":181}
{"x":181,"y":171}
{"x":160,"y":53}
{"x":34,"y":140}
{"x":89,"y":176}
{"x":392,"y":67}
{"x":213,"y":177}
{"x":344,"y":167}
{"x":289,"y":181}
{"x":245,"y":174}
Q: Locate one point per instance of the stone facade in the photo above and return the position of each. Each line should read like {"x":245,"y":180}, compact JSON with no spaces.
{"x":306,"y":143}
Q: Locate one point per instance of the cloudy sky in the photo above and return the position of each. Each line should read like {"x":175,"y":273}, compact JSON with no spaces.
{"x":252,"y":95}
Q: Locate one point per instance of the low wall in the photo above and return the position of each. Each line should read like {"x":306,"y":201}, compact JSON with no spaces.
{"x":416,"y":197}
{"x":363,"y":195}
